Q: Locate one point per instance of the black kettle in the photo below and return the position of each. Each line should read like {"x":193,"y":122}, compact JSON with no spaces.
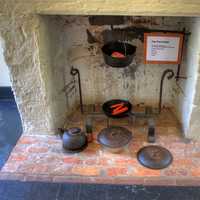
{"x":74,"y":140}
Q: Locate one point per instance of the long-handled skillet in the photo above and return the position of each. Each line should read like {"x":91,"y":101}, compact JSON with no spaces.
{"x":109,"y":108}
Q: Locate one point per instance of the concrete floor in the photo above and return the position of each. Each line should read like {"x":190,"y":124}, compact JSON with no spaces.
{"x":10,"y":128}
{"x":14,"y":190}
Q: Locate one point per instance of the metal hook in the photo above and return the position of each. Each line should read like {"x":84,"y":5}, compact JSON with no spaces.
{"x":170,"y":76}
{"x":74,"y":72}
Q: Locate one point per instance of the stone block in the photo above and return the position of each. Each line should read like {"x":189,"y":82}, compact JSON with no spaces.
{"x":161,"y":181}
{"x":188,"y":182}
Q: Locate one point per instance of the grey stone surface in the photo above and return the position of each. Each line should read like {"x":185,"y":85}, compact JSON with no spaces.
{"x":14,"y":190}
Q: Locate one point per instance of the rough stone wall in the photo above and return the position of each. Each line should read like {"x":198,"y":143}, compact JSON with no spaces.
{"x":55,"y":68}
{"x":19,"y":32}
{"x":124,"y":7}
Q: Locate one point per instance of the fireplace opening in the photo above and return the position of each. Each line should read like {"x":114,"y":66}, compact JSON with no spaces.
{"x":62,"y":78}
{"x":75,"y":42}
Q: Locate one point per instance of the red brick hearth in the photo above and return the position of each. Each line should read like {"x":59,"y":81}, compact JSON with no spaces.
{"x":41,"y":157}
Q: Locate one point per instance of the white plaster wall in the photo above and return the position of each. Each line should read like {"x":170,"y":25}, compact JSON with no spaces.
{"x":63,"y":44}
{"x":185,"y":90}
{"x":4,"y":73}
{"x":54,"y":67}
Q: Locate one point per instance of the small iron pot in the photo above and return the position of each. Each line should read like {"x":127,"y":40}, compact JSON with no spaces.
{"x":74,"y":140}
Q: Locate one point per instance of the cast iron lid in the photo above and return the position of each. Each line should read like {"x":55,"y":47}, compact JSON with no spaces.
{"x":154,"y":157}
{"x":114,"y":136}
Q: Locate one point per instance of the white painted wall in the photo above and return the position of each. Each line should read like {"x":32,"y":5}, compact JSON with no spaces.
{"x":185,"y":93}
{"x":4,"y":73}
{"x":139,"y":83}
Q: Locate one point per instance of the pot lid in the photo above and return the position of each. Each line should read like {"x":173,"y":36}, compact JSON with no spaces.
{"x":114,"y":136}
{"x":154,"y":157}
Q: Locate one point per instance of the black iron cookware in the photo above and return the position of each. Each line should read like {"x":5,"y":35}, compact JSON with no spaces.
{"x":114,"y":138}
{"x":124,"y":48}
{"x":74,"y":140}
{"x":108,"y":110}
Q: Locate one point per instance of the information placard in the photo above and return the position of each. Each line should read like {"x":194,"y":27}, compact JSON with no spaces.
{"x":163,"y":48}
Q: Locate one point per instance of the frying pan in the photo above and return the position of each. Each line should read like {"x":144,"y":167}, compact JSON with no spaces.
{"x":108,"y":110}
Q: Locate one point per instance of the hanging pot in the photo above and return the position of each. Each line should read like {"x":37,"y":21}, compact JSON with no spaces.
{"x":118,"y":54}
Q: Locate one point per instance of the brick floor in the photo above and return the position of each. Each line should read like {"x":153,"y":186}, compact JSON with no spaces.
{"x":41,"y":157}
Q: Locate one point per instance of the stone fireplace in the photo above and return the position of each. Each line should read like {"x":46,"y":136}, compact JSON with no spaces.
{"x":43,"y":40}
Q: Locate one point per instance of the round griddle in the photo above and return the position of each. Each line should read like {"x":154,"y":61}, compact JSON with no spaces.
{"x":154,"y":157}
{"x":108,"y":110}
{"x":114,"y":137}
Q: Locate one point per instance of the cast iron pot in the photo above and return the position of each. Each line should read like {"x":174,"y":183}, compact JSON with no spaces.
{"x":114,"y":138}
{"x":74,"y":140}
{"x":122,"y":47}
